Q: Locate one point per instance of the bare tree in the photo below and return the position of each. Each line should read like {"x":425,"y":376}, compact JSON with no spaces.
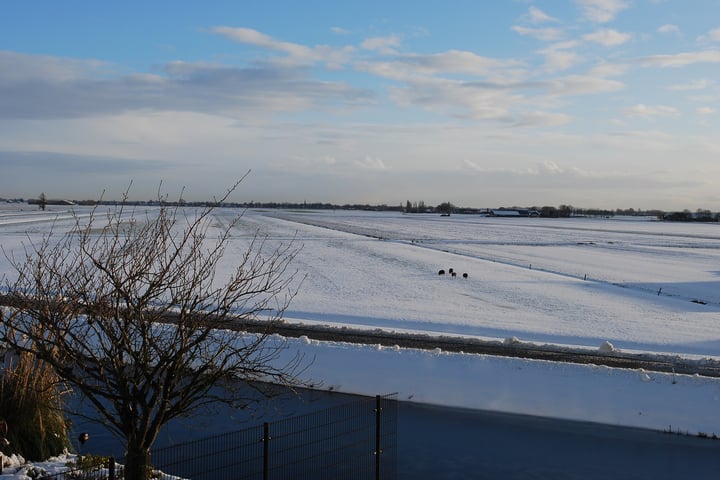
{"x":132,"y":313}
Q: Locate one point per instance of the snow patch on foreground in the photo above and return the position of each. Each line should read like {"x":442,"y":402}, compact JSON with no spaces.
{"x":14,"y":467}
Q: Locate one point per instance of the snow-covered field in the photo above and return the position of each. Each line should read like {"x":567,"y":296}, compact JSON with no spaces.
{"x":639,"y":284}
{"x":571,"y":281}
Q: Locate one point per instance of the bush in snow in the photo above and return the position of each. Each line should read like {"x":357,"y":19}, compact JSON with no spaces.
{"x":31,"y":400}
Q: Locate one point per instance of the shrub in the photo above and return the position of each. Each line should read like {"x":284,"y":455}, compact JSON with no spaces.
{"x":31,"y":400}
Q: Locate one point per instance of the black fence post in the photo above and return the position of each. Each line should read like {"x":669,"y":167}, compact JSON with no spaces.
{"x":378,"y":451}
{"x":266,"y":450}
{"x":111,"y":468}
{"x":336,"y":442}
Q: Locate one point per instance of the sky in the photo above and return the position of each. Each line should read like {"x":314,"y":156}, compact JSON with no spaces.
{"x":589,"y":103}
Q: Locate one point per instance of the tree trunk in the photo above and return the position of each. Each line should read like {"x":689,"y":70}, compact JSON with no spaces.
{"x":137,"y":462}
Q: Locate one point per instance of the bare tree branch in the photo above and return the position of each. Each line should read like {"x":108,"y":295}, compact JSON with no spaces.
{"x":133,"y":313}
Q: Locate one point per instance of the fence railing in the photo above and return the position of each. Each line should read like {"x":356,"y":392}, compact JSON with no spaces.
{"x":354,"y":441}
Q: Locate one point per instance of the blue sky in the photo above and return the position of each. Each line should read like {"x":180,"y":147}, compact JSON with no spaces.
{"x":591,"y":103}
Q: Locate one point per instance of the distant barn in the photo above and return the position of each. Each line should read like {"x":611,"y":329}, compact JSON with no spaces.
{"x":514,"y":212}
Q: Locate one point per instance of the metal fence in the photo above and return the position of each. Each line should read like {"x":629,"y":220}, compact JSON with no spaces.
{"x":353,"y":441}
{"x":357,"y":440}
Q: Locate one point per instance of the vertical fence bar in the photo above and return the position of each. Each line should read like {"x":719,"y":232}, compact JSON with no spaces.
{"x":111,"y":468}
{"x":266,"y":450}
{"x":377,"y":437}
{"x":337,"y":443}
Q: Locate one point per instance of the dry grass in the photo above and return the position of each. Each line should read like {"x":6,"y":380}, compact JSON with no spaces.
{"x":31,"y":401}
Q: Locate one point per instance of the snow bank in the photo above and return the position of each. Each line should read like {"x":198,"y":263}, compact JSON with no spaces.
{"x":635,"y":398}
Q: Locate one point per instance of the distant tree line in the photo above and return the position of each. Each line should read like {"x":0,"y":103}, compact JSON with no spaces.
{"x":415,"y":207}
{"x":561,"y":211}
{"x":699,"y":215}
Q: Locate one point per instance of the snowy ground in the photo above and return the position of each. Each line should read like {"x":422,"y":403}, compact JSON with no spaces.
{"x":639,"y":284}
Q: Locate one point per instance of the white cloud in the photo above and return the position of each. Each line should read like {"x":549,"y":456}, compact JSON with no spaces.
{"x":340,"y":31}
{"x":473,"y":165}
{"x":601,"y":11}
{"x":705,"y":110}
{"x":694,"y":85}
{"x":559,"y":57}
{"x":297,"y":54}
{"x":413,"y":67}
{"x":384,"y":45}
{"x":682,"y":59}
{"x":711,"y":36}
{"x":668,"y":28}
{"x":648,"y":111}
{"x":545,"y":34}
{"x":43,"y":87}
{"x":475,"y":100}
{"x":538,"y":16}
{"x":548,"y":167}
{"x":710,"y":98}
{"x":608,"y":37}
{"x":558,"y":60}
{"x":583,"y":85}
{"x":456,"y":61}
{"x":608,"y":70}
{"x":542,"y":119}
{"x":370,"y":163}
{"x":253,"y":37}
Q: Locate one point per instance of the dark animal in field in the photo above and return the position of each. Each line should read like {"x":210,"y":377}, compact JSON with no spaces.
{"x":441,"y":272}
{"x":450,"y":271}
{"x":453,"y":274}
{"x":465,"y":275}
